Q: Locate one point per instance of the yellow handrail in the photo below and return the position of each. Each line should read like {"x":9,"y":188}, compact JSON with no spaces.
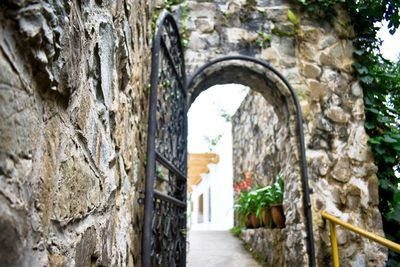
{"x":332,"y":226}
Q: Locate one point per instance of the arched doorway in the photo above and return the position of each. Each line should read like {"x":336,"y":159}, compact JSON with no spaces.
{"x":263,"y":78}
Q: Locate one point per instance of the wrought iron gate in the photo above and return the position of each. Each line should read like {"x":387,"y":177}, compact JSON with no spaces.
{"x":164,"y":228}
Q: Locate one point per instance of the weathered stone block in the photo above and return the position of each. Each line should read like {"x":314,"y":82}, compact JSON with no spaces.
{"x":271,"y":55}
{"x":337,"y":114}
{"x":19,"y":128}
{"x":205,"y":25}
{"x":317,"y":90}
{"x":356,"y":89}
{"x":73,"y":200}
{"x":339,"y":56}
{"x":358,"y":145}
{"x":341,"y":171}
{"x":373,"y":189}
{"x":326,"y":41}
{"x":312,"y":71}
{"x":196,"y":42}
{"x":201,"y":10}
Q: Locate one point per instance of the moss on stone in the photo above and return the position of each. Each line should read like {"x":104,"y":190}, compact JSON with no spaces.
{"x":282,"y":33}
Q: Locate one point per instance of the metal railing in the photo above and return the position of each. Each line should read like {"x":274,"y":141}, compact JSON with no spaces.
{"x":332,"y":227}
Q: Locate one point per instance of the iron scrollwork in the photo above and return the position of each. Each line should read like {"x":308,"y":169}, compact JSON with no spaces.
{"x":164,"y":229}
{"x":169,"y":244}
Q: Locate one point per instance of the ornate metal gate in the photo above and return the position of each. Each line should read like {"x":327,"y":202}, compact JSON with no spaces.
{"x":164,"y":228}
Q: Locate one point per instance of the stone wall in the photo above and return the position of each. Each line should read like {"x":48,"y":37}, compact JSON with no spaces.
{"x":73,"y":104}
{"x":316,"y":58}
{"x":261,"y":144}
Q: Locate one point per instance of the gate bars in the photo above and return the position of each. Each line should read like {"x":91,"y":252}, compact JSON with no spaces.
{"x":164,"y":237}
{"x":164,"y":227}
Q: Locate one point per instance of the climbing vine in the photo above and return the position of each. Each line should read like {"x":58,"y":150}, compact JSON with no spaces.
{"x":380,"y":80}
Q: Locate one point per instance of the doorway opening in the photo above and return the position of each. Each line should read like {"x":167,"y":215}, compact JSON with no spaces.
{"x":210,"y":169}
{"x":280,"y":142}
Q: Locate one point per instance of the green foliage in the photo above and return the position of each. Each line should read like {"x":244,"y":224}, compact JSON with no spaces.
{"x":185,"y":34}
{"x":292,"y":17}
{"x":245,"y":204}
{"x":212,"y":142}
{"x":263,"y":39}
{"x":251,"y":4}
{"x":225,"y":115}
{"x":257,"y":199}
{"x":169,"y":3}
{"x":282,"y":33}
{"x":236,"y":231}
{"x":380,"y":80}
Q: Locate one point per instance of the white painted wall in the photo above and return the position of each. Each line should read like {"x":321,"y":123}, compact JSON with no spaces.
{"x":220,"y":181}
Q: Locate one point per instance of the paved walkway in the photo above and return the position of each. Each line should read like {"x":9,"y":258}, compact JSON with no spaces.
{"x":217,"y":248}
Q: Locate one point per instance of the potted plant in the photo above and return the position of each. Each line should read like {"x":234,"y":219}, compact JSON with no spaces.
{"x":263,"y":211}
{"x":246,"y":208}
{"x":252,"y":209}
{"x":276,"y":204}
{"x":241,"y":208}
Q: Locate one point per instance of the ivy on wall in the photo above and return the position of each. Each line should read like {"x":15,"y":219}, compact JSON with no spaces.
{"x":380,"y":80}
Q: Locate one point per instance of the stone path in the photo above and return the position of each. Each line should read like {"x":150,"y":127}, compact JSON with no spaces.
{"x":217,"y":248}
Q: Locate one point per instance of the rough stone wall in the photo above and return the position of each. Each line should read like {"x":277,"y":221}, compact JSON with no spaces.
{"x":73,"y":102}
{"x":316,"y":58}
{"x":260,"y":143}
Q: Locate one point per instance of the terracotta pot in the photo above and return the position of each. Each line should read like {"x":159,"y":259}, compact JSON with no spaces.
{"x":266,"y":217}
{"x":277,"y":215}
{"x":248,"y":221}
{"x":255,"y":222}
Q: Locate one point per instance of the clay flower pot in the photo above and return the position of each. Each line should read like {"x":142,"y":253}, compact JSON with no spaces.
{"x":248,"y":221}
{"x":266,"y":217}
{"x":254,"y":221}
{"x":277,"y":215}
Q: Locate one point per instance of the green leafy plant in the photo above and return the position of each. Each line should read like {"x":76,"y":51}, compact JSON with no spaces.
{"x":236,"y":231}
{"x":213,"y":142}
{"x":259,"y":198}
{"x":262,"y":39}
{"x":277,"y":190}
{"x":292,"y":17}
{"x":246,"y":204}
{"x":265,"y":199}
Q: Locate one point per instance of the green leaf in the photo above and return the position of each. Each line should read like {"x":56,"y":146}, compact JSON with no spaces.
{"x":380,"y":149}
{"x":394,"y":214}
{"x":362,"y":70}
{"x":292,"y":17}
{"x":397,"y":147}
{"x":389,"y":158}
{"x":375,"y":140}
{"x":370,"y":125}
{"x":359,"y":52}
{"x":367,"y":79}
{"x":397,"y":198}
{"x":388,"y":139}
{"x":373,"y":110}
{"x":367,"y":100}
{"x":384,"y":184}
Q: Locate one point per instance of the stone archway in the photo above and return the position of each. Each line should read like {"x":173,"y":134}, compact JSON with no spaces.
{"x":316,"y":59}
{"x":279,"y":94}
